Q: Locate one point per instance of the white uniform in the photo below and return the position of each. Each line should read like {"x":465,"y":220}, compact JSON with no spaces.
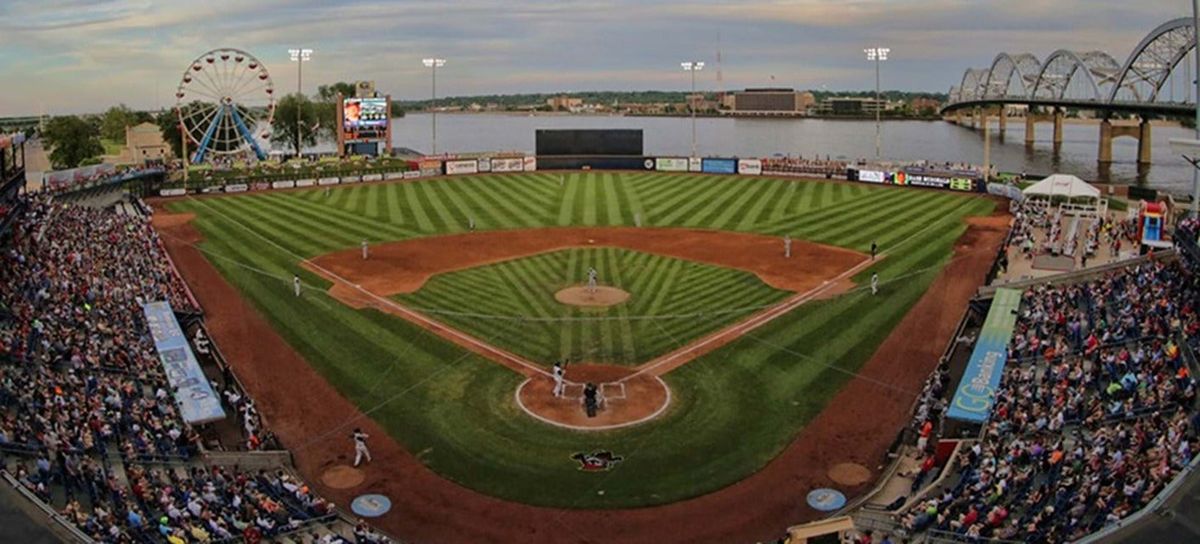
{"x":360,"y":447}
{"x":787,"y":246}
{"x":296,"y":284}
{"x":559,"y":383}
{"x":364,"y":247}
{"x":875,"y":283}
{"x":471,"y":223}
{"x":592,"y":275}
{"x":637,"y":219}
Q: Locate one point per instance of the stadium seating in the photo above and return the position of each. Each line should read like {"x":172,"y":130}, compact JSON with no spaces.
{"x":1095,"y":415}
{"x":87,"y":424}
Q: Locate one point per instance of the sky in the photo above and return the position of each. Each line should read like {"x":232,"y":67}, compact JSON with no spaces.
{"x":78,"y":56}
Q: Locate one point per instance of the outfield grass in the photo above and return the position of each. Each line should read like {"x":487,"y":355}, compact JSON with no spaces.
{"x":734,"y":409}
{"x":488,"y":300}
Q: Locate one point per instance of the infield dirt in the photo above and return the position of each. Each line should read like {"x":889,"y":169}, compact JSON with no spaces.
{"x":858,"y":425}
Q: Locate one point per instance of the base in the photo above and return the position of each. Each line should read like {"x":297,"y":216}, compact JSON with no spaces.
{"x":629,"y":399}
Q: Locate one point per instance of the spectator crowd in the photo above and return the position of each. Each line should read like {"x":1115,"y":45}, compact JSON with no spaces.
{"x":1095,"y":414}
{"x":87,"y":418}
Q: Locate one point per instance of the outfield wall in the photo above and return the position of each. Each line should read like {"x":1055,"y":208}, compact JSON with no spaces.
{"x":457,"y":165}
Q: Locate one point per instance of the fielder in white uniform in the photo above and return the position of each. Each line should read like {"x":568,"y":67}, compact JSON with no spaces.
{"x":592,"y":275}
{"x":875,"y":283}
{"x":787,"y":246}
{"x":360,"y":446}
{"x":296,"y":284}
{"x":559,"y":382}
{"x":364,"y":247}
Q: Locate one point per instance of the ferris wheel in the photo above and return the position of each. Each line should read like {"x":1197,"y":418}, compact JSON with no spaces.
{"x":225,"y":102}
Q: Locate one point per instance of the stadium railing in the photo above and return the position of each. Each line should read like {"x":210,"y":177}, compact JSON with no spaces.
{"x":53,"y":520}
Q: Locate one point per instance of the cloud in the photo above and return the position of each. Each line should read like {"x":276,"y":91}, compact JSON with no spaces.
{"x":84,"y":55}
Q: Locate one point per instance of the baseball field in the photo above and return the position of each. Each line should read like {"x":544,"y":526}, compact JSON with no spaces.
{"x":432,"y":335}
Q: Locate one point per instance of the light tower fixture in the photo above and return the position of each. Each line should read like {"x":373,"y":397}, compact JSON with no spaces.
{"x":433,"y":64}
{"x":299,"y":56}
{"x":693,"y":67}
{"x":877,"y":55}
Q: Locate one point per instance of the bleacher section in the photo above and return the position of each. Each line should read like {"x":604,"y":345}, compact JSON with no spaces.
{"x":1094,"y":418}
{"x":88,"y":429}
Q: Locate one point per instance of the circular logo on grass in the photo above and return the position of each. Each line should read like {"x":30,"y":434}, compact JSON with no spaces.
{"x":826,"y":500}
{"x":371,"y":506}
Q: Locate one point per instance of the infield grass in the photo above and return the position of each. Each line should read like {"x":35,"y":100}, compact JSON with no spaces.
{"x":734,"y":409}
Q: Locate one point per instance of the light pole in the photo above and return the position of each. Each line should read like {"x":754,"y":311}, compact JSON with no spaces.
{"x":433,"y":64}
{"x":299,"y":56}
{"x":877,"y":54}
{"x":693,"y":67}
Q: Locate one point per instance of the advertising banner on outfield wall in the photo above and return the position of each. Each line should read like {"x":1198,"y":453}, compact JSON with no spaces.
{"x":328,"y":181}
{"x":508,"y":165}
{"x":237,"y":188}
{"x":372,"y":177}
{"x":749,"y":167}
{"x":485,"y":165}
{"x":394,"y":175}
{"x":305,"y":182}
{"x":962,"y":184}
{"x":462,"y":167}
{"x":530,"y":164}
{"x":919,"y":180}
{"x":871,"y":176}
{"x":695,"y":164}
{"x":897,"y":178}
{"x":670,"y":164}
{"x":412,"y":174}
{"x":172,"y":192}
{"x":1011,"y":192}
{"x":283,"y":184}
{"x":976,"y":392}
{"x":197,"y":401}
{"x":351,"y":179}
{"x":260,"y":186}
{"x":719,"y":166}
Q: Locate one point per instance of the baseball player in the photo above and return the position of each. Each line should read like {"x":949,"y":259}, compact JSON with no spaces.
{"x":561,"y":180}
{"x":360,"y":446}
{"x":471,"y":224}
{"x":364,"y":248}
{"x":592,"y":275}
{"x":296,"y":284}
{"x":875,"y":283}
{"x":874,"y":249}
{"x":327,"y":191}
{"x":637,"y":219}
{"x":787,"y":246}
{"x":559,"y":382}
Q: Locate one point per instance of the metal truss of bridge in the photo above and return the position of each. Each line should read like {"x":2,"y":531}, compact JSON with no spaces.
{"x":1086,"y":79}
{"x":1145,"y":85}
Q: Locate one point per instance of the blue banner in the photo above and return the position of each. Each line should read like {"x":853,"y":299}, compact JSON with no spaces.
{"x":719,"y":166}
{"x":977,"y":391}
{"x":195,"y":397}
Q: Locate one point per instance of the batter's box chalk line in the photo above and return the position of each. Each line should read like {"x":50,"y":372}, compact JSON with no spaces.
{"x":608,"y":391}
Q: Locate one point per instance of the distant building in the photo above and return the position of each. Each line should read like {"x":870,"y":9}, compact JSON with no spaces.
{"x":564,"y":102}
{"x":143,"y":143}
{"x":845,"y":105}
{"x":769,"y":100}
{"x":922,"y":104}
{"x":699,"y":103}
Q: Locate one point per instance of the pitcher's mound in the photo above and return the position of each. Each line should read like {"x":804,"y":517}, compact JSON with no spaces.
{"x":603,"y":296}
{"x":342,"y":477}
{"x":850,"y":474}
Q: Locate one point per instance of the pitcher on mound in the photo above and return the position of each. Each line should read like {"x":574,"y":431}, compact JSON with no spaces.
{"x":592,"y":276}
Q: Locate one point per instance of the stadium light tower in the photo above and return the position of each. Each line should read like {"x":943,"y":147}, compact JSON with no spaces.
{"x":877,"y":54}
{"x":299,"y":56}
{"x":693,"y":67}
{"x":433,"y":64}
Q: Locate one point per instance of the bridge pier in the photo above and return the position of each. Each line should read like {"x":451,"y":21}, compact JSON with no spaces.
{"x":1002,"y":114}
{"x":1108,"y":131}
{"x":1032,"y":119}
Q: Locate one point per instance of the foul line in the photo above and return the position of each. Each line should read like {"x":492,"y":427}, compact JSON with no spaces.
{"x":755,"y":321}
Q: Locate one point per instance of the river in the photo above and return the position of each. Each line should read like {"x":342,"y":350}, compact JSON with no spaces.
{"x":847,"y":139}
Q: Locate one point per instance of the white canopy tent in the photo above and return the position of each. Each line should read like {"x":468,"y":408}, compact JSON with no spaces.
{"x":1071,"y":190}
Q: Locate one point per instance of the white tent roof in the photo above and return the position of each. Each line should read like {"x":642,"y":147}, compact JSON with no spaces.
{"x":1063,"y":185}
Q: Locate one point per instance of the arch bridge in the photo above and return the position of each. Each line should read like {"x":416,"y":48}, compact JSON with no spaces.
{"x":1144,"y":86}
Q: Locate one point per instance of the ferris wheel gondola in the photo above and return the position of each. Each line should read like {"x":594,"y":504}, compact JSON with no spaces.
{"x":225,"y":102}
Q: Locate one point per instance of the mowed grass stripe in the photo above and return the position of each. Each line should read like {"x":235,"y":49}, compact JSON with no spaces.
{"x":612,"y":203}
{"x":745,"y":205}
{"x":302,"y":241}
{"x":834,"y":231}
{"x":518,"y":198}
{"x":770,"y":194}
{"x":413,"y":201}
{"x":705,"y":197}
{"x":372,"y":230}
{"x":922,"y":214}
{"x":802,"y":221}
{"x":566,"y":210}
